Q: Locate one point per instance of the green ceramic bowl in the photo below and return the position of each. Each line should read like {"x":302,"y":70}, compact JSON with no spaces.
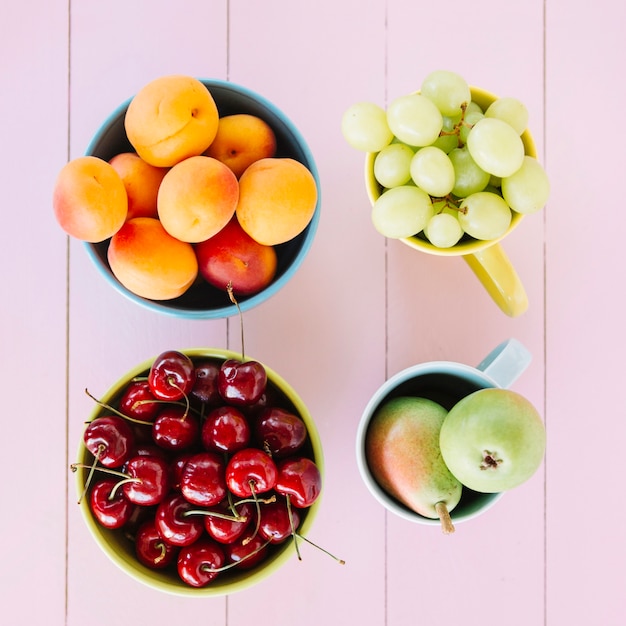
{"x":121,"y":550}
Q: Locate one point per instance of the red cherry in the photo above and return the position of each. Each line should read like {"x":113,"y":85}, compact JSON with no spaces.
{"x":197,"y":563}
{"x":151,"y":549}
{"x":225,"y":429}
{"x":300,"y":479}
{"x":176,"y":469}
{"x":111,"y":511}
{"x":275,"y":524}
{"x":247,"y":551}
{"x":250,"y":471}
{"x":241,"y":383}
{"x":110,"y":439}
{"x":205,"y":386}
{"x":202,"y":480}
{"x":225,"y":530}
{"x":139,"y":402}
{"x":280,"y":432}
{"x":173,"y":525}
{"x":151,"y":484}
{"x":171,"y":376}
{"x":175,"y":428}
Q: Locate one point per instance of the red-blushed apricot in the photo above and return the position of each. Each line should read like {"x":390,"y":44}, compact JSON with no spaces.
{"x":197,"y":198}
{"x":141,"y":181}
{"x":151,"y":263}
{"x":277,"y":200}
{"x":89,"y":199}
{"x":233,"y":256}
{"x":171,"y":118}
{"x":241,"y":140}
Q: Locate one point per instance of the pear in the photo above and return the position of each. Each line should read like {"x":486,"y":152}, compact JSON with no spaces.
{"x":403,"y":454}
{"x":493,"y":440}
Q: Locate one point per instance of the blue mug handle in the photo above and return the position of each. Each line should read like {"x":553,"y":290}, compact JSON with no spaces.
{"x":505,"y":363}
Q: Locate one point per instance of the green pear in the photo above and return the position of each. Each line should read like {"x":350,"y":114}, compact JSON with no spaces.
{"x":402,"y":451}
{"x":493,"y":440}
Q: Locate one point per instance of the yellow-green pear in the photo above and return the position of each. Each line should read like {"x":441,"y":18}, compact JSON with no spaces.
{"x":402,"y":450}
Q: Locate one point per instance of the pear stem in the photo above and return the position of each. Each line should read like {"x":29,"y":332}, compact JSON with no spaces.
{"x":444,"y":515}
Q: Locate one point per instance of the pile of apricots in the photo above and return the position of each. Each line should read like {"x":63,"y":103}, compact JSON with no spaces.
{"x":200,"y":196}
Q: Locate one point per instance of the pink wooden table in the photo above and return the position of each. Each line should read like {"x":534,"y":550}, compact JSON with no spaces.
{"x":360,"y":309}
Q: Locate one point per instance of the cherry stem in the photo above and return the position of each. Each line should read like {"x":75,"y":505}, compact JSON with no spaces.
{"x":247,"y":540}
{"x":108,"y":407}
{"x":206,"y":568}
{"x":106,"y":470}
{"x":231,"y":295}
{"x":92,"y":469}
{"x":447,"y":526}
{"x":163,"y":549}
{"x":294,"y":534}
{"x":340,"y":561}
{"x":172,"y":382}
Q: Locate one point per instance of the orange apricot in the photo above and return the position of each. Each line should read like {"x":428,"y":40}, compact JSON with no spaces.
{"x":141,"y":181}
{"x":197,"y":198}
{"x":171,"y":118}
{"x":241,"y":140}
{"x":89,"y":199}
{"x":277,"y":200}
{"x":151,"y":263}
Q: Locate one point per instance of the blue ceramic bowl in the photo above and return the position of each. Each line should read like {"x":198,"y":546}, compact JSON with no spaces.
{"x":202,"y":301}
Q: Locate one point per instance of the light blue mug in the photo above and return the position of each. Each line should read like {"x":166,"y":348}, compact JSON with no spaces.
{"x":444,"y":382}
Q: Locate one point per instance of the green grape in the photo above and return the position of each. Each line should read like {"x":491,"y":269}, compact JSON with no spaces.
{"x":470,"y":119}
{"x":364,"y":126}
{"x":527,"y":190}
{"x":402,"y":212}
{"x":443,"y":230}
{"x":473,"y":107}
{"x":468,"y":177}
{"x":495,"y":146}
{"x":432,"y":171}
{"x":447,"y":90}
{"x":414,"y":120}
{"x":446,"y":142}
{"x":484,"y":215}
{"x":392,"y":165}
{"x":509,"y":110}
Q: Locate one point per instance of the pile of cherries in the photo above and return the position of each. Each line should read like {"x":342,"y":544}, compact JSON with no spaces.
{"x":203,"y":465}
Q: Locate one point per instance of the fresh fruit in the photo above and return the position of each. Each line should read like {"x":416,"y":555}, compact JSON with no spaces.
{"x":89,"y":199}
{"x":172,"y":376}
{"x":365,"y":127}
{"x":448,"y":146}
{"x":197,"y":198}
{"x":141,"y":181}
{"x":199,"y":564}
{"x":402,"y":211}
{"x":403,"y":454}
{"x":241,"y":140}
{"x":233,"y":256}
{"x":277,"y":200}
{"x":151,"y":263}
{"x":241,"y":383}
{"x":110,"y":439}
{"x":182,"y":499}
{"x":493,"y":440}
{"x":171,"y":118}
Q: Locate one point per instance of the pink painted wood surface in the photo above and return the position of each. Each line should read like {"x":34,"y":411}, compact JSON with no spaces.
{"x":552,"y":552}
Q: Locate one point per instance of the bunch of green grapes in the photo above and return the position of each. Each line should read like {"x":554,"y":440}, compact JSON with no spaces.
{"x":448,"y":169}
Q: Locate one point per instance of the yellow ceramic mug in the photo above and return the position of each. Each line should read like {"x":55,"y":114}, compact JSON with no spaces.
{"x":487,"y":259}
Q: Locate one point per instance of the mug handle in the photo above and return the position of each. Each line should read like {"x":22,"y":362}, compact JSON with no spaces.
{"x":497,"y":274}
{"x":505,"y":363}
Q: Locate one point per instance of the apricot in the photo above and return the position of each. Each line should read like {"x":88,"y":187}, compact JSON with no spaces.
{"x":277,"y":200}
{"x":151,"y":263}
{"x":241,"y":140}
{"x":89,"y":199}
{"x":197,"y":198}
{"x":171,"y":118}
{"x":141,"y":181}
